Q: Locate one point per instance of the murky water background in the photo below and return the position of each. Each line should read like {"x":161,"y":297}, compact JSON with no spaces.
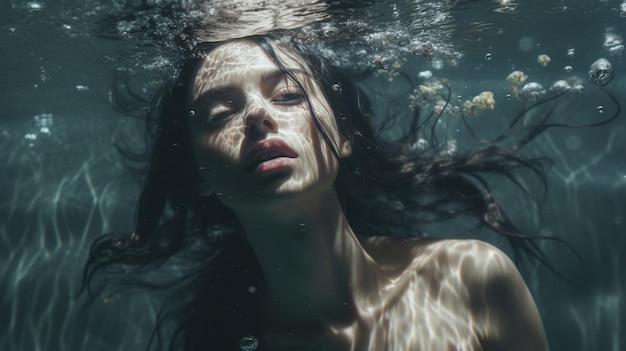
{"x":62,"y":183}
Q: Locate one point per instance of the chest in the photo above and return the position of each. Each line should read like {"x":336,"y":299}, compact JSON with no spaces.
{"x":415,"y":324}
{"x":423,"y":323}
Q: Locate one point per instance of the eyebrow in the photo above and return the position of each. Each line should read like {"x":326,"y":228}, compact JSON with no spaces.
{"x":274,"y":74}
{"x":277,"y":73}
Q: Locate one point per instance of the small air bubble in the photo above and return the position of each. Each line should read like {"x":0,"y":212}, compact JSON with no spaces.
{"x":192,"y":113}
{"x":488,"y":57}
{"x":571,"y":52}
{"x":252,"y":289}
{"x":616,"y":50}
{"x":384,"y":63}
{"x":600,"y":109}
{"x":330,"y":31}
{"x":248,"y":343}
{"x":508,"y":97}
{"x":601,"y":72}
{"x":336,"y":87}
{"x":568,"y":69}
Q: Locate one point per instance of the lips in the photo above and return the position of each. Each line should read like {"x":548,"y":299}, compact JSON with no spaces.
{"x":268,"y":150}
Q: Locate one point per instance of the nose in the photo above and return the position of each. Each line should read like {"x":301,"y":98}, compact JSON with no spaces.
{"x":259,"y":121}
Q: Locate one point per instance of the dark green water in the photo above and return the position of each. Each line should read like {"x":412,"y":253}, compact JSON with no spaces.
{"x":62,"y":184}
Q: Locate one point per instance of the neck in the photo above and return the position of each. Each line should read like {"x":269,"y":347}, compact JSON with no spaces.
{"x":313,"y":264}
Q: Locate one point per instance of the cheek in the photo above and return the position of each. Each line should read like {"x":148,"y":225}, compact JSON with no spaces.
{"x":216,"y":151}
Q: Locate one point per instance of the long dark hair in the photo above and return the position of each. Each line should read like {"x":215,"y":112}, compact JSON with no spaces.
{"x":386,"y":188}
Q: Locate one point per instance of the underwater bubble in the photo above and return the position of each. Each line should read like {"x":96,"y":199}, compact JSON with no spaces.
{"x":488,"y":57}
{"x":30,"y":136}
{"x":532,"y":91}
{"x":560,"y":86}
{"x":571,"y":52}
{"x":601,"y":72}
{"x":437,"y":64}
{"x":191,"y":113}
{"x":611,"y":40}
{"x":33,"y":5}
{"x":617,"y":50}
{"x":330,"y":31}
{"x":576,"y":89}
{"x":43,"y":120}
{"x":248,"y":343}
{"x":252,"y":289}
{"x":425,"y":74}
{"x":402,"y":39}
{"x":420,"y":144}
{"x":134,"y":237}
{"x":543,"y":59}
{"x":622,"y":9}
{"x":508,"y":97}
{"x":336,"y":87}
{"x":384,"y":62}
{"x":82,"y":88}
{"x":427,"y":49}
{"x":600,"y":109}
{"x":568,"y":69}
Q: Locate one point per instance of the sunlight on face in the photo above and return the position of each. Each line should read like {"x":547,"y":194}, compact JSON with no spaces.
{"x":252,"y":132}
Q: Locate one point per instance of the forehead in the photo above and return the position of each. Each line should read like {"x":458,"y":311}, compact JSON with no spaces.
{"x":238,"y":62}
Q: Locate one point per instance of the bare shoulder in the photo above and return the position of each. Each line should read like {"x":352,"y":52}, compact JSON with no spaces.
{"x":470,"y":281}
{"x":497,"y":299}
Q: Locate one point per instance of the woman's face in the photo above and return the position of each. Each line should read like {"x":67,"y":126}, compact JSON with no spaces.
{"x":252,"y":132}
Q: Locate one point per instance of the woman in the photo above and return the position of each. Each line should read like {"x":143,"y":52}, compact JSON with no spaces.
{"x":267,"y":169}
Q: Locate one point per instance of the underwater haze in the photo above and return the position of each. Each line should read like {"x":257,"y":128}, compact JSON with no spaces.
{"x":63,"y":182}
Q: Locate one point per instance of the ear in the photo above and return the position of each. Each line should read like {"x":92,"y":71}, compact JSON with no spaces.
{"x":345,"y":148}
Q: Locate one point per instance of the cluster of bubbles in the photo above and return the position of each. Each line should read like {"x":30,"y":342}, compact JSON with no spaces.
{"x":481,"y":102}
{"x":356,"y":40}
{"x":534,"y":91}
{"x":433,"y":92}
{"x":613,"y":44}
{"x":356,"y":43}
{"x":43,"y":124}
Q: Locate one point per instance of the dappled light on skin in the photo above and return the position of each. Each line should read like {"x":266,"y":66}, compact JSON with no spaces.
{"x":428,"y":304}
{"x":256,"y":103}
{"x":259,"y":150}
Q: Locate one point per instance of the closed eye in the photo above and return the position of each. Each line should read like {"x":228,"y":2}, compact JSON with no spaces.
{"x":219,"y":113}
{"x":288,"y":97}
